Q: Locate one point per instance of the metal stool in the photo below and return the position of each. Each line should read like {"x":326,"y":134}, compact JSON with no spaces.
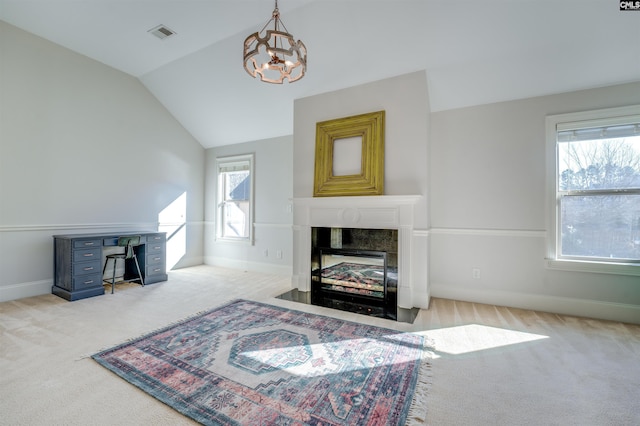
{"x":128,"y":242}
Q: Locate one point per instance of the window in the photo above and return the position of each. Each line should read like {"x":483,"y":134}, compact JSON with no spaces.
{"x":235,"y":198}
{"x":596,"y":187}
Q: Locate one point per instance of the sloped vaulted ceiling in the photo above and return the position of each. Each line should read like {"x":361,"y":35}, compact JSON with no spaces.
{"x":473,"y":51}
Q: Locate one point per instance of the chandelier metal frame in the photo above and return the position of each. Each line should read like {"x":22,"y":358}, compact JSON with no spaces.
{"x":276,"y":56}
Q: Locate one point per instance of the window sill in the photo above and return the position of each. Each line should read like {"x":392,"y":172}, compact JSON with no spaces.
{"x":246,"y":241}
{"x":595,"y":267}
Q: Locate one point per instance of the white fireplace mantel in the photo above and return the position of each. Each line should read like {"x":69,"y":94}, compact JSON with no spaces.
{"x":383,"y":211}
{"x":372,"y":212}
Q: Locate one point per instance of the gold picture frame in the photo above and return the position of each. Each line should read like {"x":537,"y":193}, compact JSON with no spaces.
{"x":370,"y":181}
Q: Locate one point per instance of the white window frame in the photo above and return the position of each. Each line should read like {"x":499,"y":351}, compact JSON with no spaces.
{"x":554,"y":260}
{"x":224,"y":163}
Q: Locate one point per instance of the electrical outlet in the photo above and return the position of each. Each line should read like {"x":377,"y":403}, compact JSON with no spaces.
{"x":279,"y":254}
{"x":475,"y":273}
{"x":266,"y":253}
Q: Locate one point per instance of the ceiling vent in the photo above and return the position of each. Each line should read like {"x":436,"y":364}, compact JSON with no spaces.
{"x":162,"y":32}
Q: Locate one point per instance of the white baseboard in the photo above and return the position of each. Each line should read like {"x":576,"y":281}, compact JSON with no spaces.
{"x":559,"y":305}
{"x":420,"y":300}
{"x":22,"y":290}
{"x":267,"y":268}
{"x":186,"y":262}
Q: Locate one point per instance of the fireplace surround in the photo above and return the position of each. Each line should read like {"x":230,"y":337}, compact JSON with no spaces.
{"x":387,"y":212}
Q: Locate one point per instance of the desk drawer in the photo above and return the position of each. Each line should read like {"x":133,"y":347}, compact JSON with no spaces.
{"x":88,"y":254}
{"x":84,"y":268}
{"x":110,"y":241}
{"x":154,"y":270}
{"x":113,"y":241}
{"x":156,"y":238}
{"x":87,"y":243}
{"x":86,"y":281}
{"x":155,"y":259}
{"x":155,"y":247}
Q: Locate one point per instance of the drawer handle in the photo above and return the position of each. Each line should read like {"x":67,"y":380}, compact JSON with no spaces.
{"x":157,"y":258}
{"x":156,"y":238}
{"x":88,"y":282}
{"x":89,"y":268}
{"x":157,"y":247}
{"x":157,"y":270}
{"x":88,"y":255}
{"x":88,"y":243}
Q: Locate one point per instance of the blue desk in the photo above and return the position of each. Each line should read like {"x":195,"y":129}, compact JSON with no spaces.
{"x":79,"y":258}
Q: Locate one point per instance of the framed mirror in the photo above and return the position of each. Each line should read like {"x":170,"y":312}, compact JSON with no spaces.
{"x":349,"y":158}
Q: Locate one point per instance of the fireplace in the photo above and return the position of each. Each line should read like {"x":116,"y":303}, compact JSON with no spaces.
{"x":355,"y":269}
{"x":406,"y":261}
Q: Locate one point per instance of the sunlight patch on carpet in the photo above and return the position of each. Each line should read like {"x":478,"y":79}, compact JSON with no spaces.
{"x":364,"y":358}
{"x":475,"y":337}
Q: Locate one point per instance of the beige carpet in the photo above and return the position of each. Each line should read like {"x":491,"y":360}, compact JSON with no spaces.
{"x":492,"y":365}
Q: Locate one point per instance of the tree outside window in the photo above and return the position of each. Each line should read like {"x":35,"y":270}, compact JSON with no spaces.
{"x":598,"y":192}
{"x":235,"y":198}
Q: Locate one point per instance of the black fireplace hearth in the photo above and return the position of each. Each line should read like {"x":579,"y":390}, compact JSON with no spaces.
{"x":352,"y":305}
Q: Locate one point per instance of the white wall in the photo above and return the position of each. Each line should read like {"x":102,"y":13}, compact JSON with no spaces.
{"x":273,"y":179}
{"x":405,"y":100}
{"x":69,"y":124}
{"x":85,"y":148}
{"x":482,"y":172}
{"x":488,"y":209}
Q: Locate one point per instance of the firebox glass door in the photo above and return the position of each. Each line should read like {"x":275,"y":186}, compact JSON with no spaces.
{"x":357,"y":273}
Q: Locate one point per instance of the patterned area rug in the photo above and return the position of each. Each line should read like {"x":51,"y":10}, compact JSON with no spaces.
{"x":249,"y":363}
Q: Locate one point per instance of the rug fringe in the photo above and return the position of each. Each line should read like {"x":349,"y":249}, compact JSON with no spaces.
{"x":418,"y":409}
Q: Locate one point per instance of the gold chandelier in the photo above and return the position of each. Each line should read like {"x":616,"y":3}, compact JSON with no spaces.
{"x":276,"y":56}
